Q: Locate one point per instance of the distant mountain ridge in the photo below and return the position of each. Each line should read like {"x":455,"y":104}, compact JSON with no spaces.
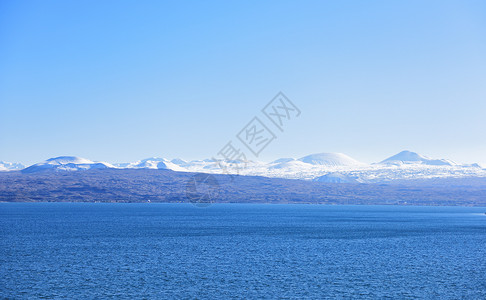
{"x":67,"y":163}
{"x":331,"y":159}
{"x":148,"y":185}
{"x":336,"y":177}
{"x":408,"y":157}
{"x":8,"y":166}
{"x":327,"y":167}
{"x":155,"y":163}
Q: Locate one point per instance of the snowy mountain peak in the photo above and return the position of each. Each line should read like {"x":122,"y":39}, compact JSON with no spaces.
{"x":324,"y":167}
{"x":8,"y":166}
{"x":62,"y":160}
{"x":335,"y":177}
{"x":331,"y":160}
{"x":282,"y":160}
{"x":67,"y":163}
{"x":154,"y":163}
{"x":409,"y":157}
{"x":178,"y":161}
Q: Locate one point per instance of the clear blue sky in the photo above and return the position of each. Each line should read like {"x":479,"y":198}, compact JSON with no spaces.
{"x":123,"y":80}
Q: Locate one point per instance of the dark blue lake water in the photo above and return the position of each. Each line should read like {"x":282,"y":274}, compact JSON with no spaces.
{"x":66,"y":250}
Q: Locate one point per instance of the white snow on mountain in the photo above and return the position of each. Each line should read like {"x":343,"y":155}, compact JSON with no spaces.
{"x":336,"y":167}
{"x":8,"y":166}
{"x":475,"y":165}
{"x":408,"y":157}
{"x":324,"y":167}
{"x":121,"y":165}
{"x":287,"y":165}
{"x":282,"y":160}
{"x":336,"y":177}
{"x":154,"y":163}
{"x":180,"y":162}
{"x":67,"y":163}
{"x":331,"y":160}
{"x":307,"y":167}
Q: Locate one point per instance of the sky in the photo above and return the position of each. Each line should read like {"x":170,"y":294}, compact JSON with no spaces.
{"x":120,"y":81}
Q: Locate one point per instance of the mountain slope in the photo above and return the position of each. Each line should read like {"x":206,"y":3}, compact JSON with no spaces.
{"x":155,"y":163}
{"x":327,"y":167}
{"x":143,"y":185}
{"x":336,"y":177}
{"x":408,"y":157}
{"x":8,"y":166}
{"x":331,"y":160}
{"x":67,"y":163}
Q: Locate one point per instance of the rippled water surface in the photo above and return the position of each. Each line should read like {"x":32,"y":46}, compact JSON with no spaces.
{"x":67,"y":250}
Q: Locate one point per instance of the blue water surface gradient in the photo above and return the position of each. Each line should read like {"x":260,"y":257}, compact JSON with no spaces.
{"x":156,"y":251}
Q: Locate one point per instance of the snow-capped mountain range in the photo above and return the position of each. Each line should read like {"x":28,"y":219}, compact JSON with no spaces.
{"x":7,"y":166}
{"x":326,"y":167}
{"x":407,"y":157}
{"x":67,"y":163}
{"x":153,"y":163}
